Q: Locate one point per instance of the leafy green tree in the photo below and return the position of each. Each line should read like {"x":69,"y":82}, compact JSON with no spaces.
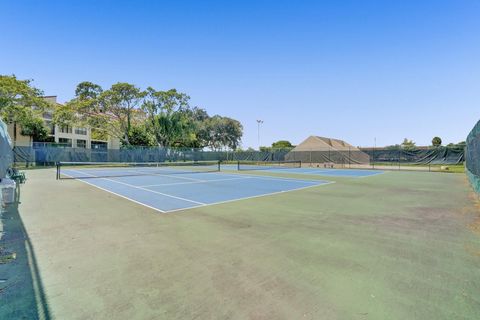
{"x":35,"y":128}
{"x":125,"y":112}
{"x":139,"y":136}
{"x":112,"y":112}
{"x":282,"y":144}
{"x":88,"y":91}
{"x":393,"y":147}
{"x":64,"y":115}
{"x":408,"y":144}
{"x":83,"y":110}
{"x":119,"y":105}
{"x":199,"y":121}
{"x":18,"y":95}
{"x":234,"y":132}
{"x":21,"y":103}
{"x":176,"y":128}
{"x":223,"y":132}
{"x":436,"y":141}
{"x":166,"y":121}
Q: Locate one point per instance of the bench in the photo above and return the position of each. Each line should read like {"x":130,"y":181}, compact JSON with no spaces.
{"x":17,"y":176}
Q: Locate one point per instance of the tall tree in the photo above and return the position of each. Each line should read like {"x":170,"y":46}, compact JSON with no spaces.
{"x":436,"y":141}
{"x":112,"y":111}
{"x":165,"y":116}
{"x":83,"y":110}
{"x":408,"y":144}
{"x":282,"y":144}
{"x":121,"y":104}
{"x":21,"y":103}
{"x":223,"y":132}
{"x":234,"y":132}
{"x":133,"y":116}
{"x":139,"y":136}
{"x":16,"y":95}
{"x":201,"y":123}
{"x":34,"y":127}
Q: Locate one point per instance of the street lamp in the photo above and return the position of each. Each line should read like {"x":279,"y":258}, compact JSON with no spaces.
{"x":259,"y":122}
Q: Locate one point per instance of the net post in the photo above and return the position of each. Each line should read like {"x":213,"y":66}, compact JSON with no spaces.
{"x":219,"y":164}
{"x":238,"y":165}
{"x":58,"y":170}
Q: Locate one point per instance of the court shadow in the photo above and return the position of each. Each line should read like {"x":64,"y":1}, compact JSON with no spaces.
{"x":21,"y":291}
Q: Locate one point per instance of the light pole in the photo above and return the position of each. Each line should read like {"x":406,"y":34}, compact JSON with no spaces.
{"x":259,"y":122}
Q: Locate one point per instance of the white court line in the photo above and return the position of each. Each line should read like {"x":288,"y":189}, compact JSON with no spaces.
{"x":200,"y":204}
{"x":325,"y":172}
{"x":149,"y":173}
{"x":132,"y":186}
{"x":251,"y":197}
{"x":282,"y":178}
{"x":121,"y":196}
{"x":375,"y":174}
{"x":194,"y":182}
{"x":266,"y":177}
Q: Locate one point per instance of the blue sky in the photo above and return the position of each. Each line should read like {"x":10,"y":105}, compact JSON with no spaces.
{"x":353,"y":70}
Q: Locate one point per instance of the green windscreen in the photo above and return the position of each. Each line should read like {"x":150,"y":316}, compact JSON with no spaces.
{"x":6,"y":156}
{"x":472,"y":157}
{"x":85,"y":170}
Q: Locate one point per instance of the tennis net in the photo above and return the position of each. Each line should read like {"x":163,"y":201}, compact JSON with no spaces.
{"x":265,"y":165}
{"x":85,"y":170}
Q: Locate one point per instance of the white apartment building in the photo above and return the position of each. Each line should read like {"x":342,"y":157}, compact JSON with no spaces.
{"x":74,"y":137}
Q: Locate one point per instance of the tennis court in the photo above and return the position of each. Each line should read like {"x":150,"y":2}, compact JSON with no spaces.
{"x":296,"y":167}
{"x":337,"y":172}
{"x":180,"y":186}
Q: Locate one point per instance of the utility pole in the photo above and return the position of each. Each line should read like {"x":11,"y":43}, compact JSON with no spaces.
{"x":259,"y":122}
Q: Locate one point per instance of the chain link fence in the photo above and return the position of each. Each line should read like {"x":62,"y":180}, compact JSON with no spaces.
{"x":6,"y":156}
{"x":429,"y":159}
{"x":391,"y":158}
{"x":45,"y":154}
{"x":472,"y":156}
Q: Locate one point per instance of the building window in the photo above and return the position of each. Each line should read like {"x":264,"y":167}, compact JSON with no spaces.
{"x":81,"y":143}
{"x":48,"y":115}
{"x":50,"y":126}
{"x":99,"y":145}
{"x":66,"y":129}
{"x":65,"y":142}
{"x":82,"y":131}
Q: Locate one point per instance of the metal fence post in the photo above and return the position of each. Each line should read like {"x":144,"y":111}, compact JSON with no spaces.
{"x":399,"y":156}
{"x":349,"y":157}
{"x":373,"y":156}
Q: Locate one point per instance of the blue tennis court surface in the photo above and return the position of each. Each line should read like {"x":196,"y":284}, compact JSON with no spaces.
{"x":335,"y":172}
{"x":172,"y":192}
{"x":356,"y":173}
